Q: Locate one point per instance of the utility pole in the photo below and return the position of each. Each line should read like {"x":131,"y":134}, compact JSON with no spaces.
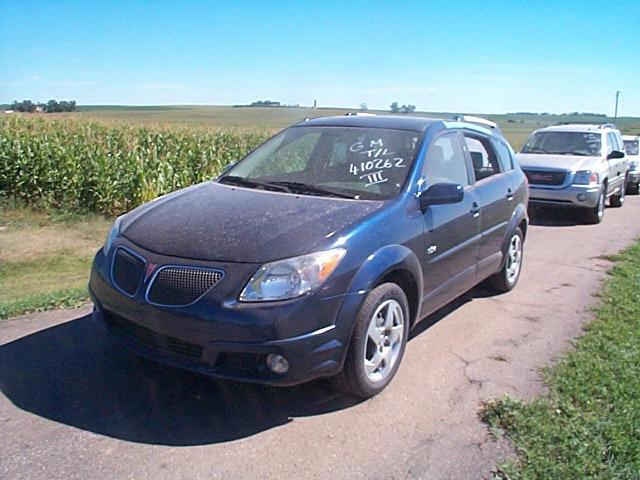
{"x":615,"y":116}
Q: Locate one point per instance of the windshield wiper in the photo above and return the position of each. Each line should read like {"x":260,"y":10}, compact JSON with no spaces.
{"x":306,"y":188}
{"x":535,"y":150}
{"x":245,"y":182}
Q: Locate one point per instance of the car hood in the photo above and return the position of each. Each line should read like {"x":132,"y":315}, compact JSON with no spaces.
{"x":211,"y":221}
{"x":557,"y":162}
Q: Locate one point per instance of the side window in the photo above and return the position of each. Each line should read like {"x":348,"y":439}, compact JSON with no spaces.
{"x":504,"y":156}
{"x":619,"y":142}
{"x":483,"y":156}
{"x":445,"y":161}
{"x":611,"y":142}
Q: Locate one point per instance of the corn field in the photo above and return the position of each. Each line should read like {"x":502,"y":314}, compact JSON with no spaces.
{"x":109,"y":169}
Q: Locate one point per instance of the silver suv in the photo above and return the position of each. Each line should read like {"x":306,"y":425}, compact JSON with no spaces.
{"x":575,"y":165}
{"x":632,"y":149}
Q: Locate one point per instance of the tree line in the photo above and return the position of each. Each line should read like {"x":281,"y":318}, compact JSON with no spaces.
{"x":395,"y":108}
{"x":52,"y":106}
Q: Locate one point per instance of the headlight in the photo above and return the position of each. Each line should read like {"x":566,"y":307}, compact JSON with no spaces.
{"x":633,"y":165}
{"x":112,"y":235}
{"x":291,"y":277}
{"x":586,"y":177}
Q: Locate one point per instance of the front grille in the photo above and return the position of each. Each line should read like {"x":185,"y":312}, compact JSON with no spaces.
{"x":545,"y":177}
{"x":127,"y":271}
{"x":175,"y":286}
{"x":150,"y":338}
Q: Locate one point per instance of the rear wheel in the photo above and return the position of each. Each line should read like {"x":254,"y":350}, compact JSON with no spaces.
{"x":633,"y":189}
{"x":377,"y":344}
{"x":618,"y":200}
{"x":507,"y":278}
{"x":596,"y":214}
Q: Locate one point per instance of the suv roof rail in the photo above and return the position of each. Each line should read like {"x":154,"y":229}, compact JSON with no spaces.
{"x":359,"y":114}
{"x":599,"y":125}
{"x":477,"y":121}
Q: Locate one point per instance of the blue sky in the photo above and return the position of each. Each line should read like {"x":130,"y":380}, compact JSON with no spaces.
{"x":466,"y":56}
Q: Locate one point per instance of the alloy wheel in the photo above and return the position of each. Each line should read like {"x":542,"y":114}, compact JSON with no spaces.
{"x":384,"y":340}
{"x":514,"y":259}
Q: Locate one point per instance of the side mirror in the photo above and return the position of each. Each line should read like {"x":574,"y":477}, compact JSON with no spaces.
{"x":441,"y":194}
{"x":615,"y":154}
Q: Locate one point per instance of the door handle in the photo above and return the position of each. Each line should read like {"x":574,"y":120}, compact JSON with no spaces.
{"x":475,"y":210}
{"x":510,"y":195}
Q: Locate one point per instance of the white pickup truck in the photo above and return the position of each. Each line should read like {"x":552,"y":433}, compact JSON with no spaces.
{"x":577,"y":166}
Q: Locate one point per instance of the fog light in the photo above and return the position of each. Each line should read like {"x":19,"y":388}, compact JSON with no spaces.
{"x":277,"y":363}
{"x":582,"y":197}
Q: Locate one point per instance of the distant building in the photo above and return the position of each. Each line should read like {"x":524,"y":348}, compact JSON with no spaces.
{"x":8,"y":111}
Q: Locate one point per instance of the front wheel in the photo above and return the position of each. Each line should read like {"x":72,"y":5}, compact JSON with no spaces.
{"x":378,"y":342}
{"x":618,"y":200}
{"x":507,"y":278}
{"x":596,"y":214}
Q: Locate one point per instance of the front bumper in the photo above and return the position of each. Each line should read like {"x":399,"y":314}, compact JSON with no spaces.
{"x":227,"y":339}
{"x":571,"y":196}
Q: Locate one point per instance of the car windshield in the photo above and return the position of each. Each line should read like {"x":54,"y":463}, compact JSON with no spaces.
{"x":563,"y":143}
{"x":631,"y":147}
{"x":359,"y":163}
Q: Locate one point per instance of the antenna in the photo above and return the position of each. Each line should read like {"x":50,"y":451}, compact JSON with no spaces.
{"x":615,"y":116}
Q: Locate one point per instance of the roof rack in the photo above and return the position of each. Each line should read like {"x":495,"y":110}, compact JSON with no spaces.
{"x":599,"y":125}
{"x":359,"y":114}
{"x":477,"y":121}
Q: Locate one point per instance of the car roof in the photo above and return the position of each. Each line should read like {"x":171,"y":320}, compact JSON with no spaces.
{"x":399,"y":122}
{"x":631,"y":137}
{"x":577,"y":127}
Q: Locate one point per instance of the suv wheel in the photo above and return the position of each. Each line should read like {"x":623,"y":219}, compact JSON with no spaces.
{"x":508,"y":276}
{"x":596,"y":214}
{"x":378,"y":342}
{"x":618,"y":200}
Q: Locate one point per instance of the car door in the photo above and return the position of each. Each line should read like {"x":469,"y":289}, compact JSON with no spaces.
{"x":452,"y":231}
{"x":615,"y":164}
{"x":496,"y":191}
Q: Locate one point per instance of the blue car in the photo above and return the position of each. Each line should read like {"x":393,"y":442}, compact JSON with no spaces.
{"x":316,"y":254}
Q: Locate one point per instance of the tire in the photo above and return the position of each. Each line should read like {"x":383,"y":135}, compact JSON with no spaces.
{"x":596,"y":214}
{"x":507,"y":278}
{"x":618,"y":200}
{"x":633,"y":189}
{"x":360,"y":376}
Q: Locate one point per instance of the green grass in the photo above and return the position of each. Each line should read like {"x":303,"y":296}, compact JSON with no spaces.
{"x":45,"y":258}
{"x":588,"y":425}
{"x":67,"y":298}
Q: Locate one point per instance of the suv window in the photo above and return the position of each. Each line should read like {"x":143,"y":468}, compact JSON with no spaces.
{"x":483,"y":156}
{"x":445,"y":161}
{"x":563,"y":143}
{"x":504,"y":156}
{"x":612,"y":142}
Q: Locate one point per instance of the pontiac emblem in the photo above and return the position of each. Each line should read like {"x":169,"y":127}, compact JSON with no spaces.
{"x":150,"y":268}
